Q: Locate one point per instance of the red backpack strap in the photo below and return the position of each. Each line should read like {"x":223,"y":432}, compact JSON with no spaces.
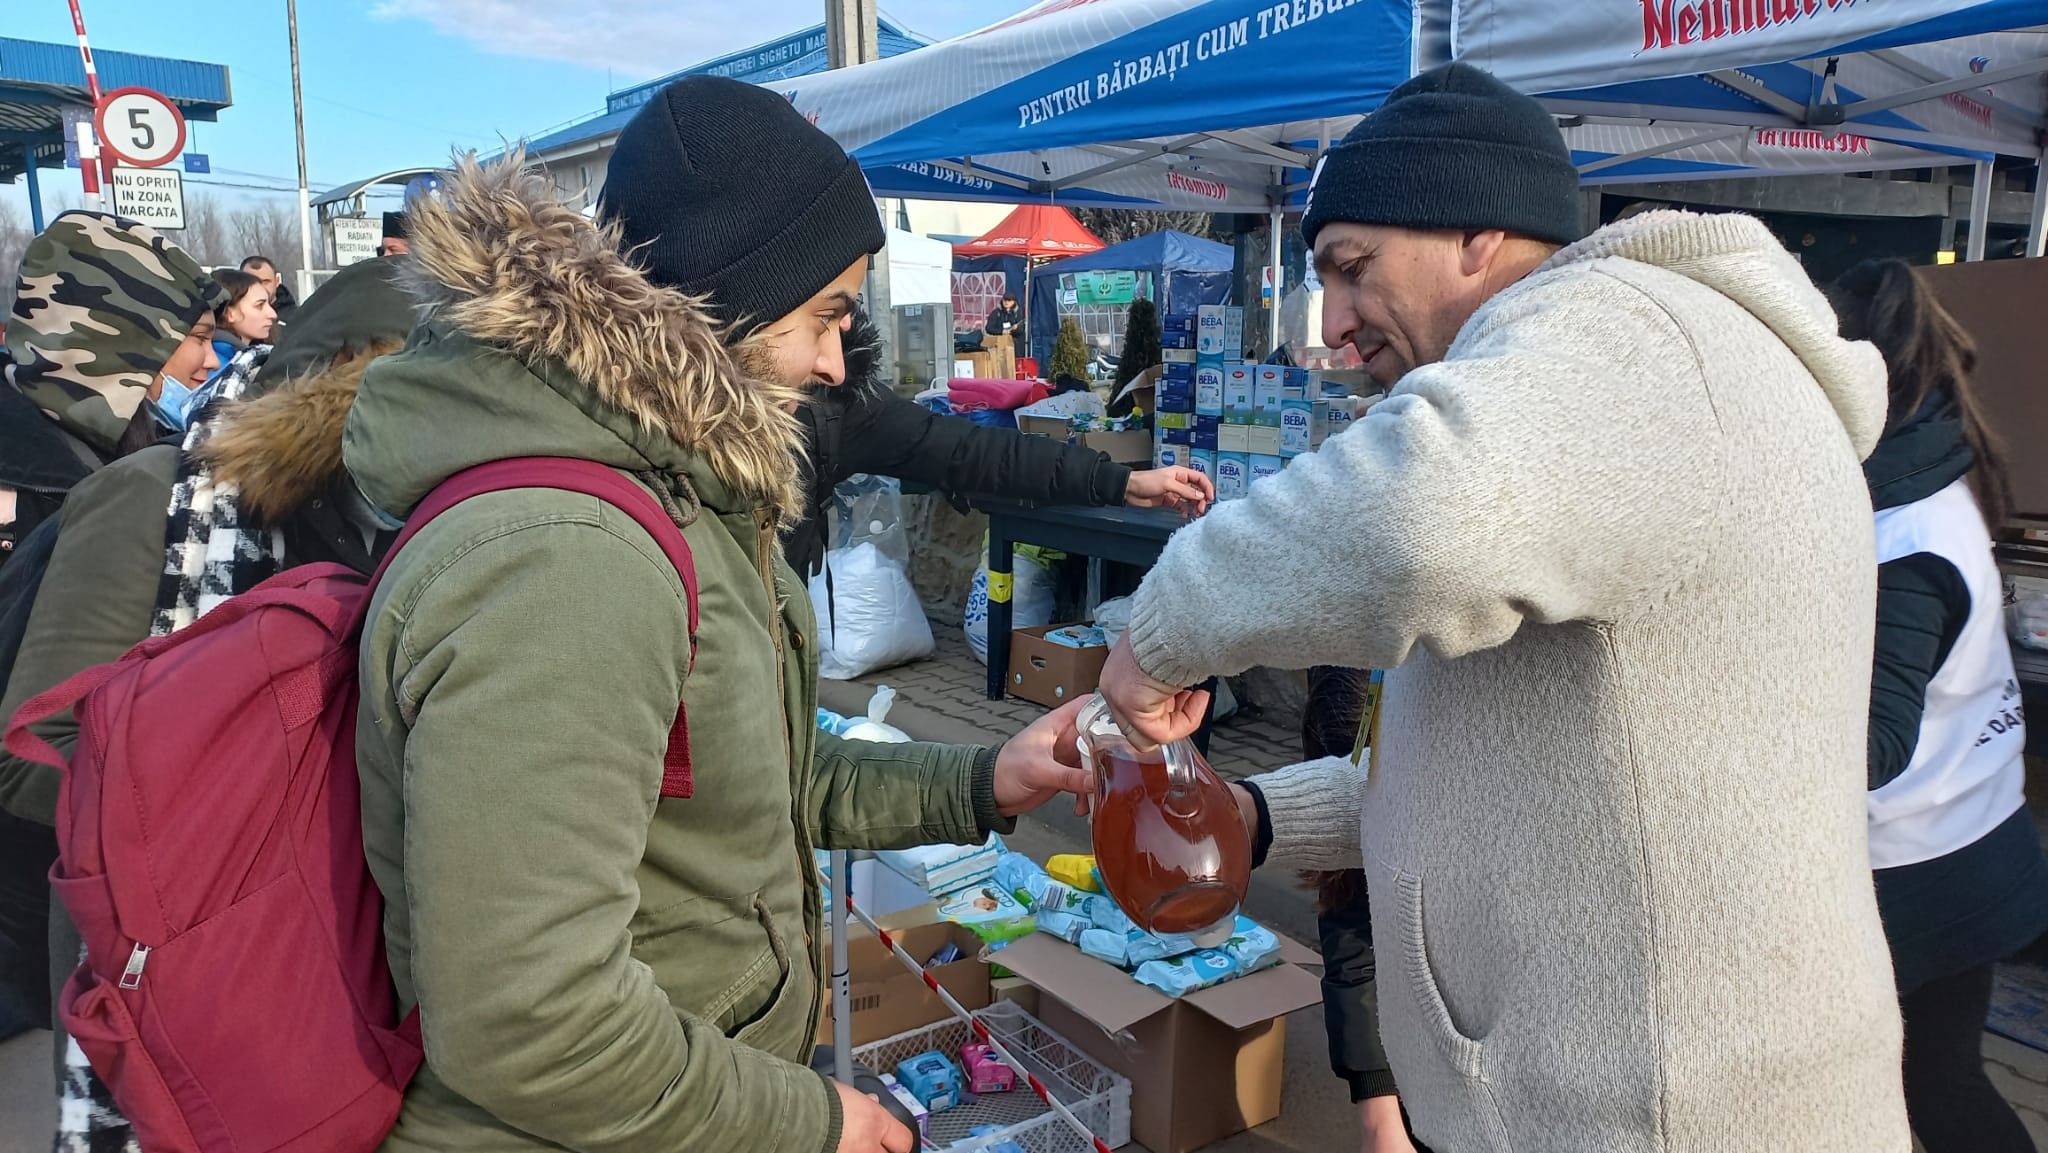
{"x":612,"y":487}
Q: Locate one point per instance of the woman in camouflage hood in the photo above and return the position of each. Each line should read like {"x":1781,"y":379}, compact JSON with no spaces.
{"x":104,"y":310}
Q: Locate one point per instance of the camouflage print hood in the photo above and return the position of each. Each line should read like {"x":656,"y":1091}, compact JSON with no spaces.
{"x":100,"y":306}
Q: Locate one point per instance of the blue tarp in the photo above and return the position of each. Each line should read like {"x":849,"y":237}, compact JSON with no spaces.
{"x":1188,"y":271}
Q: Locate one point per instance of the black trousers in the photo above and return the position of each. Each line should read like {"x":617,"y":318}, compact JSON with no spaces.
{"x":27,"y":851}
{"x":1953,"y":1105}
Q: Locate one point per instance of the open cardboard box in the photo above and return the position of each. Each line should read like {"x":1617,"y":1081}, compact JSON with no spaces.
{"x":1201,"y":1067}
{"x":887,"y":998}
{"x":1050,"y":674}
{"x":1132,"y":447}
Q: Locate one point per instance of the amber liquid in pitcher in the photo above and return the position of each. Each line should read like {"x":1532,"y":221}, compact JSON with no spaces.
{"x":1170,"y":841}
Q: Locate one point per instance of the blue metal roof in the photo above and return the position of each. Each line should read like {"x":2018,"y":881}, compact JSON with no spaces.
{"x":798,"y":54}
{"x":38,"y":80}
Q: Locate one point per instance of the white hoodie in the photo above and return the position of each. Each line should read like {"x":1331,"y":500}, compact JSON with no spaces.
{"x":1616,"y":551}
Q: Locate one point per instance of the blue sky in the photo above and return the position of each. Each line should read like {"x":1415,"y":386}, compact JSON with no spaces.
{"x":397,"y":83}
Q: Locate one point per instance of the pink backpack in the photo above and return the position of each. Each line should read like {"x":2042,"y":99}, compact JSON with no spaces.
{"x":235,"y":994}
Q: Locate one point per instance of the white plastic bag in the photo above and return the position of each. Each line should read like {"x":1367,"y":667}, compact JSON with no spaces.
{"x":870,"y":509}
{"x":868,"y":614}
{"x":1113,"y":617}
{"x":1031,"y":597}
{"x":875,"y":726}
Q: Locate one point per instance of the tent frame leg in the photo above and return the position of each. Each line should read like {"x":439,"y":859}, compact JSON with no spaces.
{"x":2037,"y":222}
{"x":1980,"y":211}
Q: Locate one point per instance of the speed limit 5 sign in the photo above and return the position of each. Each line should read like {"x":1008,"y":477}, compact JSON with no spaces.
{"x":143,"y":129}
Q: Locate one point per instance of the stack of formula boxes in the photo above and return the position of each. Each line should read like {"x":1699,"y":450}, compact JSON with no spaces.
{"x":1237,"y":422}
{"x":1200,"y":349}
{"x":1173,"y":416}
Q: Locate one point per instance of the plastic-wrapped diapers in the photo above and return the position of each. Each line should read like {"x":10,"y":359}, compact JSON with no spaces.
{"x":1250,"y":948}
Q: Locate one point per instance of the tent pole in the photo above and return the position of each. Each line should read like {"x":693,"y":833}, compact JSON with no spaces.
{"x":1980,"y":210}
{"x":2037,"y":235}
{"x":1274,"y":219}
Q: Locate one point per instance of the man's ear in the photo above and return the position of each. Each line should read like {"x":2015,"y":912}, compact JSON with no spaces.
{"x":1476,"y":252}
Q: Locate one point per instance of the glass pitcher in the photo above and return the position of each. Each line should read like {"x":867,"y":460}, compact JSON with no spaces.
{"x":1169,"y":838}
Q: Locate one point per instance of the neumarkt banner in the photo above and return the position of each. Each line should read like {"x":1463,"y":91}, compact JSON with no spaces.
{"x":1541,"y":47}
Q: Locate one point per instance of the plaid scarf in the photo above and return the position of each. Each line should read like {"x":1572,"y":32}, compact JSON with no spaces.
{"x":210,"y":554}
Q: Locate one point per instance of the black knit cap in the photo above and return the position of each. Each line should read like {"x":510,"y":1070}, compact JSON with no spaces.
{"x":397,"y":226}
{"x":1452,"y":148}
{"x":723,"y":189}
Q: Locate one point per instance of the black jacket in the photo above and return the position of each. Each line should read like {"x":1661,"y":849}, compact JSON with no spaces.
{"x":38,"y":460}
{"x":863,"y":427}
{"x":1002,"y":321}
{"x":1987,"y":900}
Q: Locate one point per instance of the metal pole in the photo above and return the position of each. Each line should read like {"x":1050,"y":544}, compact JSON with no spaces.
{"x":1980,"y":210}
{"x":88,"y":143}
{"x":291,"y":12}
{"x":35,"y":189}
{"x":2037,"y":223}
{"x":842,"y":979}
{"x":1274,"y":221}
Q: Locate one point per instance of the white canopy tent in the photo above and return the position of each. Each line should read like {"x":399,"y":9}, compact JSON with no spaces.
{"x":1709,"y":89}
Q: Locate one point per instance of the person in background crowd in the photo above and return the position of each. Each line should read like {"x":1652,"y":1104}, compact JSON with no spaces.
{"x":1005,"y":320}
{"x":1609,"y":536}
{"x":1961,"y":881}
{"x":397,"y":235}
{"x":243,"y":326}
{"x":281,"y":299}
{"x":162,"y":536}
{"x":94,"y":334}
{"x":97,"y":298}
{"x":651,"y":914}
{"x":852,"y":421}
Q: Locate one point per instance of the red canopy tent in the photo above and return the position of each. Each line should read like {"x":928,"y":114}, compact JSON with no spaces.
{"x":1034,"y":230}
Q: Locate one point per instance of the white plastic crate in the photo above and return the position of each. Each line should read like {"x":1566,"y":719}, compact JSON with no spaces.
{"x":1099,"y":1097}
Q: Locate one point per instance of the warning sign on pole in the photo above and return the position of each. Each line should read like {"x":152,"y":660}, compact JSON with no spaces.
{"x":152,"y":196}
{"x":355,"y":239}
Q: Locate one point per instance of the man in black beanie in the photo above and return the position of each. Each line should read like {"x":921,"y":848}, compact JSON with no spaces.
{"x":1609,"y":538}
{"x":722,"y":189}
{"x":397,"y":235}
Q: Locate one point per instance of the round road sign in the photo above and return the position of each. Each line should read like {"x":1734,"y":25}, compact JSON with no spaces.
{"x":143,"y":129}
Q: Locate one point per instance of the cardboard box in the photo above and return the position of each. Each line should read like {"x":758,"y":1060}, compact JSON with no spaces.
{"x":1130,"y":447}
{"x":1233,"y":330}
{"x":1184,"y":437}
{"x":1233,"y":475}
{"x":1205,"y":431}
{"x":1265,"y":466}
{"x":1201,"y":1067}
{"x":887,"y":998}
{"x":1203,"y":461}
{"x":1175,"y":357}
{"x":1049,"y":674}
{"x":1296,"y":426}
{"x":1268,"y":392}
{"x":1239,"y":401}
{"x":1209,"y":330}
{"x":1209,"y":389}
{"x":1235,"y":438}
{"x":1169,"y":455}
{"x":1016,"y":989}
{"x":1265,"y":440}
{"x":1181,"y":420}
{"x":879,"y":889}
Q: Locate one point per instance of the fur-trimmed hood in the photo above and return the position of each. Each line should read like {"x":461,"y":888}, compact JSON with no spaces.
{"x":282,"y":449}
{"x":520,"y":295}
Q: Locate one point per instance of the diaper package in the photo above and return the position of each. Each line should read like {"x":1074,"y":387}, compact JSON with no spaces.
{"x":1249,"y":949}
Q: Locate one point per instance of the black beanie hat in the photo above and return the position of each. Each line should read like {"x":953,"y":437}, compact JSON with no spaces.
{"x":723,"y":189}
{"x":1453,"y":148}
{"x":397,"y":226}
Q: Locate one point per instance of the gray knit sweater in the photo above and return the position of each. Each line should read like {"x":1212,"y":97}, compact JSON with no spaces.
{"x":1617,"y":553}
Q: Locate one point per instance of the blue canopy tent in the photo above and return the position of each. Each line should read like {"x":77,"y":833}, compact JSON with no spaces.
{"x":1175,"y":271}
